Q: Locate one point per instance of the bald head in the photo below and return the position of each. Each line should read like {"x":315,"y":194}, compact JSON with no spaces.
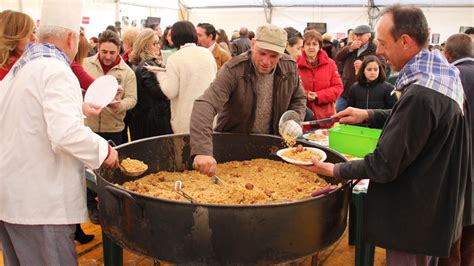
{"x":243,"y":31}
{"x":458,"y":46}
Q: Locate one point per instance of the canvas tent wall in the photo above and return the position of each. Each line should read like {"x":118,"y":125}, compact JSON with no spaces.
{"x":442,"y":20}
{"x":445,"y":17}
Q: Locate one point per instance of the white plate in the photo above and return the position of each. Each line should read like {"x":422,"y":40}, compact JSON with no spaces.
{"x":102,"y":91}
{"x":323,"y":142}
{"x":316,"y":150}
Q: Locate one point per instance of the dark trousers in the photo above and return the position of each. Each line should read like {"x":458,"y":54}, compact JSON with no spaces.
{"x":462,"y":251}
{"x":117,"y":138}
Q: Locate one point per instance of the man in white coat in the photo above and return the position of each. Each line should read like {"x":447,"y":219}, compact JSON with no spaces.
{"x":44,"y":146}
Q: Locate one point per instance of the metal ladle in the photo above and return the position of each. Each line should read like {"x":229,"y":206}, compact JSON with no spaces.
{"x":216,"y":180}
{"x":122,"y":169}
{"x":178,"y":188}
{"x":290,"y":124}
{"x":130,"y":173}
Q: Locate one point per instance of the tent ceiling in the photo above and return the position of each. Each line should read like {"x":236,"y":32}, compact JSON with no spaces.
{"x":288,"y":3}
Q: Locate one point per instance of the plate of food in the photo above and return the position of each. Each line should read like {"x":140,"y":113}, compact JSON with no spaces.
{"x":301,"y":155}
{"x":319,"y":136}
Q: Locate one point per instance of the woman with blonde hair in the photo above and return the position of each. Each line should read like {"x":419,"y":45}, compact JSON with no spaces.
{"x":128,"y":38}
{"x":151,"y":116}
{"x":17,"y":30}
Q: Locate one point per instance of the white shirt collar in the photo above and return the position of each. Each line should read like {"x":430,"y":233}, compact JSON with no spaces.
{"x":211,"y":48}
{"x":462,"y":60}
{"x":187,"y":45}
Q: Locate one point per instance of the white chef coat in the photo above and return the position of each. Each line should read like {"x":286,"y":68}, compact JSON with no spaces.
{"x":44,"y":146}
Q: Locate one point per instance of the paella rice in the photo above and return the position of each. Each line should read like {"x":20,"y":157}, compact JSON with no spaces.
{"x":289,"y":140}
{"x":258,"y":181}
{"x":315,"y":136}
{"x":132,"y":165}
{"x":303,"y":155}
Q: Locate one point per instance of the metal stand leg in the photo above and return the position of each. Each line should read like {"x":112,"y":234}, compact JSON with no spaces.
{"x":352,"y":220}
{"x":113,"y":253}
{"x":364,"y":252}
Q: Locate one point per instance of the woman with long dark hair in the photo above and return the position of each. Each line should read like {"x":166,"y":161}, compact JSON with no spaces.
{"x":223,"y":40}
{"x":189,"y":71}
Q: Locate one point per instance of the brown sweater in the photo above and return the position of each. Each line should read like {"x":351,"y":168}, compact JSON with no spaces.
{"x":263,"y":113}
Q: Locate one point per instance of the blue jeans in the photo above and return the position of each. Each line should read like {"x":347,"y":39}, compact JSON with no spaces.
{"x":341,"y":104}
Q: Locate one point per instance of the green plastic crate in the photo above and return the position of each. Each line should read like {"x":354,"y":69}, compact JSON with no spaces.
{"x":354,"y":140}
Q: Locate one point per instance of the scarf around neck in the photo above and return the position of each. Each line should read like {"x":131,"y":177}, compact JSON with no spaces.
{"x":38,"y":51}
{"x":431,"y":70}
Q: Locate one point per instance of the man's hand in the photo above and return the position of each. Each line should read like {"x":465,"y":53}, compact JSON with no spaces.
{"x":112,"y":160}
{"x":118,"y":97}
{"x":205,"y":164}
{"x":356,"y":45}
{"x":90,"y":109}
{"x":352,"y":115}
{"x":318,"y":167}
{"x":312,"y":96}
{"x":357,"y":64}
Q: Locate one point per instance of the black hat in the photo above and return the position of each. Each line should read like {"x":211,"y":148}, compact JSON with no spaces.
{"x":361,"y":29}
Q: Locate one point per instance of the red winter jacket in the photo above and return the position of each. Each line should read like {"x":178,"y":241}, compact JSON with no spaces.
{"x":4,"y":72}
{"x":325,"y":81}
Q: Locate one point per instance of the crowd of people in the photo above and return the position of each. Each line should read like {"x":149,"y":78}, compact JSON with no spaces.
{"x":179,"y":80}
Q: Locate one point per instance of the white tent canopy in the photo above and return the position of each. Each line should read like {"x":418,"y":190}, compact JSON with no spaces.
{"x":193,"y":4}
{"x":445,"y":17}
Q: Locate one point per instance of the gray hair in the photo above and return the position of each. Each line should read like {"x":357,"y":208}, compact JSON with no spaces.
{"x":459,"y":46}
{"x":45,"y":33}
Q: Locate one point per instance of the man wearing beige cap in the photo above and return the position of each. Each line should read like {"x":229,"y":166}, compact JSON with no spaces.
{"x":249,"y":95}
{"x":45,"y":145}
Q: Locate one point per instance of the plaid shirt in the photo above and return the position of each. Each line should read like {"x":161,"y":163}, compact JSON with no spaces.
{"x":432,"y":70}
{"x":38,"y":51}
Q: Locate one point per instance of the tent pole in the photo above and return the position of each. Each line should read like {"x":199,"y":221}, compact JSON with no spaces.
{"x":117,"y":10}
{"x":268,"y":8}
{"x":183,"y":11}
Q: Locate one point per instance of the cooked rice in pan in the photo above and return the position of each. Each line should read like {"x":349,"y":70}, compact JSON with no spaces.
{"x":257,"y":181}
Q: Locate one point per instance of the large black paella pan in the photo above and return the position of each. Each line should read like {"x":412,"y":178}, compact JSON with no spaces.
{"x":186,"y":233}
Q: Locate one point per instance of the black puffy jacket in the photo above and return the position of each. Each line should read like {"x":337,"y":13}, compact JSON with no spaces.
{"x":372,"y":96}
{"x":151,"y":116}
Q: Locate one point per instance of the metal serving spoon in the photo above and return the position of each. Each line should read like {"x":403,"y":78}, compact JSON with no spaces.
{"x":130,"y":173}
{"x":290,"y":124}
{"x":178,"y":188}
